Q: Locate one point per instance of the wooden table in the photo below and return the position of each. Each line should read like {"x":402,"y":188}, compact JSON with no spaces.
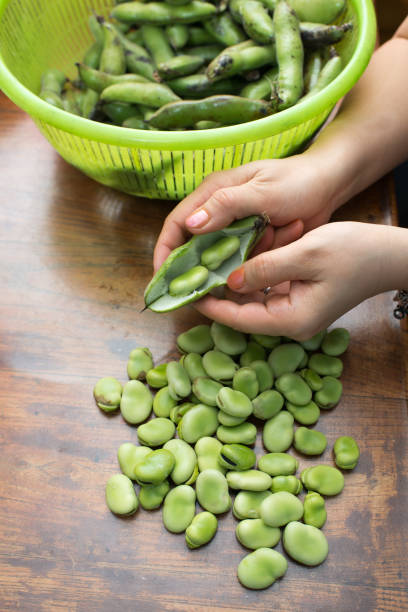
{"x":75,"y":258}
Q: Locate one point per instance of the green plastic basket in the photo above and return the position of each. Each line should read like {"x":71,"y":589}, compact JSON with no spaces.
{"x":38,"y":34}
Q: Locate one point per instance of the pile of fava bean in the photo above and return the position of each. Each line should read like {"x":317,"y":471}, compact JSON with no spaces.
{"x":224,"y":383}
{"x":194,"y":64}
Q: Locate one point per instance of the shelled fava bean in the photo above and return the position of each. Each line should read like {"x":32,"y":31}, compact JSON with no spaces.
{"x":222,"y":379}
{"x":194,"y":64}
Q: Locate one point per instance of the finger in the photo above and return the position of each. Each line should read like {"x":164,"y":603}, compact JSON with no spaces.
{"x":227,"y":204}
{"x":288,"y":233}
{"x":276,"y":317}
{"x":271,"y":268}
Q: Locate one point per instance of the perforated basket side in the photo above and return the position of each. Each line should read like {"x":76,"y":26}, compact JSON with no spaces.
{"x":167,"y":174}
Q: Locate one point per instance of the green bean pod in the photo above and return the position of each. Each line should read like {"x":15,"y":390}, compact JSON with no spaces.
{"x":148,"y":94}
{"x":329,"y":72}
{"x":199,"y":36}
{"x":178,"y":35}
{"x":289,"y":55}
{"x":241,"y":58}
{"x":224,"y":30}
{"x":199,"y":86}
{"x":180,"y":65}
{"x":206,"y":52}
{"x":156,"y":42}
{"x":157,"y":297}
{"x":98,"y":81}
{"x":255,"y":20}
{"x":113,"y":55}
{"x":160,"y":13}
{"x":312,"y":67}
{"x":227,"y":110}
{"x":263,"y":88}
{"x":318,"y":34}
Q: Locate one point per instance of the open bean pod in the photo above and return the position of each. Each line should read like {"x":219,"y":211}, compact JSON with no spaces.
{"x":188,"y":256}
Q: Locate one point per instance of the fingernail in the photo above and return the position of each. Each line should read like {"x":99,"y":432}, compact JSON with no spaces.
{"x":236,"y":279}
{"x":198,"y":219}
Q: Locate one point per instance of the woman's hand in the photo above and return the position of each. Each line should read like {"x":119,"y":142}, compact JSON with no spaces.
{"x":330,"y":270}
{"x":292,"y":192}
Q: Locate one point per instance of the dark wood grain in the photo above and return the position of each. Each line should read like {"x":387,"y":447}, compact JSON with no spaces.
{"x":75,"y":258}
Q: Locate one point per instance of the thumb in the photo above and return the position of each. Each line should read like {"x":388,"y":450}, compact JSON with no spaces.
{"x":271,"y":268}
{"x":227,"y":204}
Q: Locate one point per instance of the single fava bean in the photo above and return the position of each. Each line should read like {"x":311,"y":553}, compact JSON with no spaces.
{"x":249,"y":480}
{"x":136,"y":402}
{"x":261,"y":568}
{"x":208,"y":451}
{"x":253,"y":352}
{"x":291,"y":484}
{"x":212,"y":491}
{"x":219,"y":366}
{"x":313,"y":343}
{"x":237,"y":457}
{"x":188,"y":282}
{"x":198,"y":339}
{"x":278,"y":432}
{"x":267,"y":404}
{"x":325,"y":365}
{"x":206,"y":390}
{"x":129,"y":455}
{"x":139,"y":363}
{"x":107,"y":393}
{"x":193,"y":364}
{"x":323,"y":479}
{"x":156,"y":432}
{"x":346,"y":452}
{"x":269,"y":342}
{"x":152,"y":496}
{"x":280,"y":509}
{"x":120,"y":495}
{"x":314,"y":510}
{"x":312,"y":378}
{"x":286,"y":358}
{"x":179,"y":508}
{"x":310,"y":441}
{"x":179,"y":381}
{"x":247,"y":504}
{"x":234,"y":402}
{"x":177,"y":413}
{"x":305,"y":544}
{"x":199,"y":421}
{"x":294,"y":389}
{"x":253,"y":534}
{"x":228,"y":340}
{"x":183,"y":258}
{"x":246,"y":381}
{"x":278,"y":464}
{"x":163,"y":402}
{"x":335,"y":343}
{"x":228,"y":420}
{"x":157,"y":377}
{"x":330,"y":393}
{"x":201,"y":530}
{"x":220,"y":251}
{"x":185,"y":460}
{"x":155,"y":467}
{"x":263,"y":374}
{"x":306,"y":415}
{"x":245,"y":433}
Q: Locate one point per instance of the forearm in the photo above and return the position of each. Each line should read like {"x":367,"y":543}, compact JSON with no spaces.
{"x":392,"y":248}
{"x":369,"y":136}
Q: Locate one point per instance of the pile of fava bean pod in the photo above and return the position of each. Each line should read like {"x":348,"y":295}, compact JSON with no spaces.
{"x":222,"y":386}
{"x":195,"y":64}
